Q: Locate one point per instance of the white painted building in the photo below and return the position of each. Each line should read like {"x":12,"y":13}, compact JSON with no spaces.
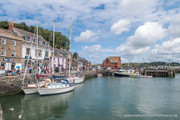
{"x":30,"y":52}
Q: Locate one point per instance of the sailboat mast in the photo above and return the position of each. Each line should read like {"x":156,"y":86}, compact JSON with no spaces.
{"x":70,"y":48}
{"x":53,"y":44}
{"x":37,"y":46}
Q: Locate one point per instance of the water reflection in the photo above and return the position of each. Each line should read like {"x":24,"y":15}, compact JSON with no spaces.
{"x":35,"y":107}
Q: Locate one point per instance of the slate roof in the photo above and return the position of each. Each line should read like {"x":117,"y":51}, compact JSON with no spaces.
{"x":8,"y":34}
{"x":60,"y":52}
{"x":22,"y":33}
{"x":114,"y":59}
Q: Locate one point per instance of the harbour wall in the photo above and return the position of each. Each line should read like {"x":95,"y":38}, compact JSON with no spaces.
{"x":13,"y":84}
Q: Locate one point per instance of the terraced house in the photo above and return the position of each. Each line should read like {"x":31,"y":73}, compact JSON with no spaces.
{"x":30,"y":50}
{"x":11,"y":50}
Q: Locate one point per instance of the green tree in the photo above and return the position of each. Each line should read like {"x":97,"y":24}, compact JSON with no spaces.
{"x":61,"y":41}
{"x":4,"y":24}
{"x":75,"y":55}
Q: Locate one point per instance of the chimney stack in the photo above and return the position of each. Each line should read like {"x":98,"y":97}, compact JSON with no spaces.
{"x":11,"y":25}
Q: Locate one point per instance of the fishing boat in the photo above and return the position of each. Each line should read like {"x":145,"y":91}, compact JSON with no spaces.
{"x":123,"y":73}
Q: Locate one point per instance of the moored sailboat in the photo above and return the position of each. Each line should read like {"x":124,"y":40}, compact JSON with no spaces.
{"x":56,"y":87}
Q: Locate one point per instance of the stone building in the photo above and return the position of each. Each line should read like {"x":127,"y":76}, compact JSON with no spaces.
{"x":113,"y":62}
{"x":11,"y":50}
{"x":30,"y":50}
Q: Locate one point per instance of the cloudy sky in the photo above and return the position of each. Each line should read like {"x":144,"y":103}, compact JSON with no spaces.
{"x":136,"y":30}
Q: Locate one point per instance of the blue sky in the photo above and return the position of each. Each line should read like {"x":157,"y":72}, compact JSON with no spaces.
{"x":136,"y":30}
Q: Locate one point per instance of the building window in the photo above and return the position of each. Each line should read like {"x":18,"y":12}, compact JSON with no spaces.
{"x":13,"y":54}
{"x":3,"y":41}
{"x":3,"y":52}
{"x":106,"y":61}
{"x":28,"y":51}
{"x":3,"y":64}
{"x":40,"y":42}
{"x":28,"y":39}
{"x":39,"y":53}
{"x":13,"y":43}
{"x":47,"y":53}
{"x":47,"y":44}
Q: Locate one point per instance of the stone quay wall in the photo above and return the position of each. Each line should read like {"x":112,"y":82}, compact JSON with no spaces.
{"x":13,"y":84}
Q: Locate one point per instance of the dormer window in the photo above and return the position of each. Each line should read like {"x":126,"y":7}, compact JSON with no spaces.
{"x":28,"y":39}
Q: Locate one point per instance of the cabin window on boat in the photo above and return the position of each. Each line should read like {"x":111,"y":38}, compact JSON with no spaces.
{"x":28,"y":51}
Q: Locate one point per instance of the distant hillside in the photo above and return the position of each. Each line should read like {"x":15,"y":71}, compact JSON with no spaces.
{"x":61,"y":41}
{"x":152,"y":64}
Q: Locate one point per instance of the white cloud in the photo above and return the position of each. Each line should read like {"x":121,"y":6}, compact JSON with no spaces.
{"x":138,"y":7}
{"x":168,"y":50}
{"x":95,"y":49}
{"x":173,"y":29}
{"x":147,"y":35}
{"x":87,"y":36}
{"x":144,"y":37}
{"x":168,"y":47}
{"x":95,"y":53}
{"x":116,"y":17}
{"x":120,"y":26}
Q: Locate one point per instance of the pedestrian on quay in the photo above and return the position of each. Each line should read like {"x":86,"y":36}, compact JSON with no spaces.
{"x":30,"y":69}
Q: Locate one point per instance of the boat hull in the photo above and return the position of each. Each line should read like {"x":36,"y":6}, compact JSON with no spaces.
{"x":30,"y":90}
{"x":79,"y":80}
{"x":121,"y":75}
{"x":52,"y":91}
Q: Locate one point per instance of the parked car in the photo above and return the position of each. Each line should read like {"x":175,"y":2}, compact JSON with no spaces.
{"x":2,"y":72}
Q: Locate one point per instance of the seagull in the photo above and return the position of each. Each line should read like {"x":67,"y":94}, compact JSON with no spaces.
{"x":12,"y":109}
{"x":20,"y":116}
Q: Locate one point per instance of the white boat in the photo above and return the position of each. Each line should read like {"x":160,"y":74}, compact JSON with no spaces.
{"x":77,"y":79}
{"x":56,"y":88}
{"x":32,"y":88}
{"x":99,"y":75}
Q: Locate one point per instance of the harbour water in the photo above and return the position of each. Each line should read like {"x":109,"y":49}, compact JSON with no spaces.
{"x":103,"y":98}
